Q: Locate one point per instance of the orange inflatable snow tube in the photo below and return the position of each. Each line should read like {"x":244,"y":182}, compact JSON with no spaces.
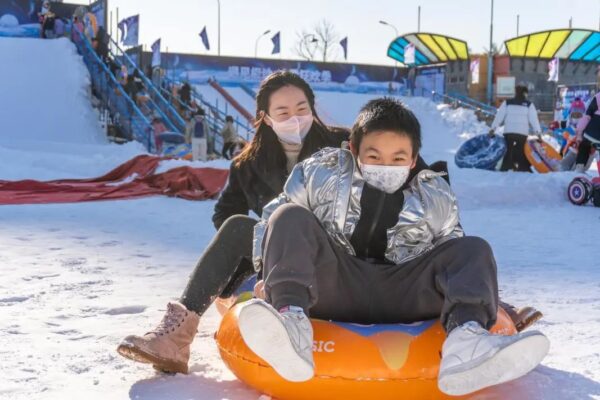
{"x":542,"y":156}
{"x":351,"y":361}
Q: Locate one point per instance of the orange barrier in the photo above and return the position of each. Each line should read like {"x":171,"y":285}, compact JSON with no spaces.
{"x":542,"y":156}
{"x":352,"y":361}
{"x":231,"y":100}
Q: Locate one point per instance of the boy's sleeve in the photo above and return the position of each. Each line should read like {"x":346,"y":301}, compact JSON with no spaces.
{"x":442,"y":207}
{"x":295,"y":192}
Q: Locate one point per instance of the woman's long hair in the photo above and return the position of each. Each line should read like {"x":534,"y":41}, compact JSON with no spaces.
{"x":265,"y":149}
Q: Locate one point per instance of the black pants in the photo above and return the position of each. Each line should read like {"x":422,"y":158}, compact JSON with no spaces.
{"x":583,"y":152}
{"x":228,"y":148}
{"x":456,"y":281}
{"x":515,"y":159}
{"x":224,"y":265}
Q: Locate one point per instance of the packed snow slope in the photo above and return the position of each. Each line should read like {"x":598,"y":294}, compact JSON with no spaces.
{"x":77,"y":278}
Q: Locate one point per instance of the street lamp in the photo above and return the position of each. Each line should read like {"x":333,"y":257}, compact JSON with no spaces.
{"x":313,"y":40}
{"x":397,"y":35}
{"x":257,"y":39}
{"x":390,"y":25}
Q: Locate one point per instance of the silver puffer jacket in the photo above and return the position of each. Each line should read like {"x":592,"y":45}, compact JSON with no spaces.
{"x":330,"y":185}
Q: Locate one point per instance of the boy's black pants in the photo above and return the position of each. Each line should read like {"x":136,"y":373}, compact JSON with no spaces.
{"x":456,"y":281}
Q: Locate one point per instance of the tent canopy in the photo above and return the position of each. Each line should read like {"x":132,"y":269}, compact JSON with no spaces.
{"x":430,"y":48}
{"x":569,"y":44}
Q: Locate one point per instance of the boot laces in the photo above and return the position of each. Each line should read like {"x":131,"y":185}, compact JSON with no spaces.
{"x":172,"y":319}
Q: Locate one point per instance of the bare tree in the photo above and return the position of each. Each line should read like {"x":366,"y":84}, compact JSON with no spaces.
{"x":322,"y":40}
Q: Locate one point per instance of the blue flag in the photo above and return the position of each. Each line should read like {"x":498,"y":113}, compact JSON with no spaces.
{"x":344,"y":44}
{"x":276,"y":43}
{"x":204,"y":37}
{"x":129,"y":28}
{"x":156,"y":61}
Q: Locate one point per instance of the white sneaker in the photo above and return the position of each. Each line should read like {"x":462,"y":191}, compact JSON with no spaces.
{"x":284,"y":340}
{"x":473,"y":358}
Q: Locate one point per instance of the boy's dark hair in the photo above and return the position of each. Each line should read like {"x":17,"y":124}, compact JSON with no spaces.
{"x":229,"y":118}
{"x":386,"y":114}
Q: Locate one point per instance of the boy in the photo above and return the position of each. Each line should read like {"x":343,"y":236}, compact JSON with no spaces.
{"x":366,"y":226}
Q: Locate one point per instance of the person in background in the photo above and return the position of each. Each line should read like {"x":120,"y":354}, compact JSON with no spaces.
{"x":200,"y":136}
{"x":576,"y":111}
{"x":230,"y":138}
{"x":47,"y":19}
{"x":588,"y":133}
{"x":190,"y":122}
{"x":517,"y":114}
{"x":558,"y":111}
{"x":158,"y":127}
{"x":185,"y":94}
{"x":77,"y":26}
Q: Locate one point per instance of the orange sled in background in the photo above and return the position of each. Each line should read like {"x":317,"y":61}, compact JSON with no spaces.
{"x":352,"y":361}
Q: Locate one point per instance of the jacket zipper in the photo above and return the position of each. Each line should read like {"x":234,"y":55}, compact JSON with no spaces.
{"x":378,"y":211}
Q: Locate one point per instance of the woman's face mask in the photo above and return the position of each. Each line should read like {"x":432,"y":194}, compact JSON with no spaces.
{"x":294,"y":129}
{"x":289,"y":114}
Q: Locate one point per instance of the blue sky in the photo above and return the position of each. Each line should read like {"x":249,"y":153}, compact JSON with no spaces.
{"x":178,"y":22}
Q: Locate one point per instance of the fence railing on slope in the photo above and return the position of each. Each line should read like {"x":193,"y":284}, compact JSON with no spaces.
{"x":169,"y":114}
{"x":216,"y":113}
{"x":483,"y":114}
{"x":122,"y":108}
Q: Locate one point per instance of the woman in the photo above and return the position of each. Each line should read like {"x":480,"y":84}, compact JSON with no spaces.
{"x":288,"y":130}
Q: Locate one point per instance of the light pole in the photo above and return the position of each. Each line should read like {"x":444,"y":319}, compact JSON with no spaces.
{"x":390,"y":25}
{"x":313,"y":40}
{"x":257,"y":39}
{"x":490,"y":70}
{"x":219,"y":27}
{"x":397,"y":35}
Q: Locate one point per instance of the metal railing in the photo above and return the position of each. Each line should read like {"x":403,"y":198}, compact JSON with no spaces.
{"x":122,"y":108}
{"x":216,"y":113}
{"x":486,"y":112}
{"x":168,"y":113}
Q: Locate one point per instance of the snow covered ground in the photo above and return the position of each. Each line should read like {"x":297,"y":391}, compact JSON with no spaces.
{"x":77,"y":278}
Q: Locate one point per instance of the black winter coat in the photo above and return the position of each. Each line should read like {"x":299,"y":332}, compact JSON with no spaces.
{"x":250,"y":189}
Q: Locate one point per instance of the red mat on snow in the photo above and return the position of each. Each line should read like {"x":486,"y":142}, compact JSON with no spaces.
{"x":133,"y":179}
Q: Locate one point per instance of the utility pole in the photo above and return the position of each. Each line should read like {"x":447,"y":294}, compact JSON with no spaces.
{"x":490,"y":71}
{"x":517,"y":24}
{"x":419,"y":19}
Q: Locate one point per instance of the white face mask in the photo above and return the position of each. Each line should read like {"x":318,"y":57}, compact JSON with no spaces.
{"x":294,"y":129}
{"x":387,"y":178}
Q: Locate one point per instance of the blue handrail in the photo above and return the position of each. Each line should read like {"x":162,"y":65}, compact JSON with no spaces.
{"x":115,"y":99}
{"x":168,"y":113}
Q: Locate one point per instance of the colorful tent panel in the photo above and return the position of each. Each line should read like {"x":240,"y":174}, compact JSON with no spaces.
{"x":429,"y":48}
{"x":570,"y":44}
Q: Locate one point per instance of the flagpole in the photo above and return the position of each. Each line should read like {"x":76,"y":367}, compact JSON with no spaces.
{"x":117,"y":32}
{"x":219,"y":27}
